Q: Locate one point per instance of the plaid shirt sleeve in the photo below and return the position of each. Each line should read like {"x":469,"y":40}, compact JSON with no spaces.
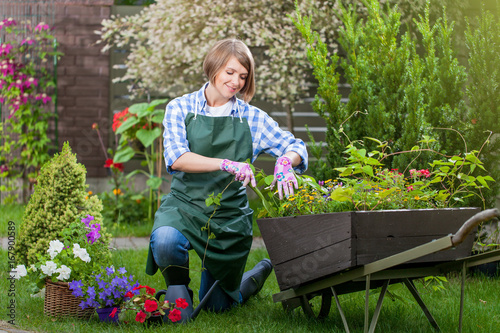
{"x":174,"y":135}
{"x":269,"y":138}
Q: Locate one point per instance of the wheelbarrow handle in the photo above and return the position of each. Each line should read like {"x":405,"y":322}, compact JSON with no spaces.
{"x":473,"y":222}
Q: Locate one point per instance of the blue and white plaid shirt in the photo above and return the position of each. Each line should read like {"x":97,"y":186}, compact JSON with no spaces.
{"x":267,"y":136}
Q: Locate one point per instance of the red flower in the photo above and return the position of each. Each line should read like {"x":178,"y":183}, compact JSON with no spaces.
{"x":129,"y":294}
{"x":181,"y":303}
{"x":150,"y":290}
{"x":150,"y":305}
{"x":108,"y":163}
{"x":139,"y":287}
{"x":174,"y":315}
{"x":119,"y":166}
{"x":119,"y":118}
{"x":113,"y":313}
{"x":141,"y":316}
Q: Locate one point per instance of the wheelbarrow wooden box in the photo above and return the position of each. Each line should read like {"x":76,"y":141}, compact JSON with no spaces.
{"x":309,"y":247}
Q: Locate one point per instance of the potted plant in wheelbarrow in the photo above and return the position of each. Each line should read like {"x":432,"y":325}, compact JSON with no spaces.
{"x":368,"y":213}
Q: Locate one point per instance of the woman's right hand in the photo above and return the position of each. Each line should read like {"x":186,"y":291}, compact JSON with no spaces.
{"x":241,"y":171}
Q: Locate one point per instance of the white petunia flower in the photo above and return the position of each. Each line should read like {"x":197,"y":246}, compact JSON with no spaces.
{"x":81,"y":253}
{"x":49,"y":268}
{"x":55,"y":247}
{"x":19,"y":272}
{"x":64,"y":273}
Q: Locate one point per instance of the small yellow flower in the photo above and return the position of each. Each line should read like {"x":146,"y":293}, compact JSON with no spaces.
{"x":291,"y":198}
{"x":90,"y":192}
{"x":117,"y":191}
{"x":417,"y":197}
{"x":86,"y":198}
{"x":327,"y":181}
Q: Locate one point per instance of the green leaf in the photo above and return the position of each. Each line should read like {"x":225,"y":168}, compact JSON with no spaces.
{"x":157,"y":102}
{"x":442,"y":195}
{"x":482,"y":181}
{"x":148,"y":136}
{"x":445,"y":169}
{"x":372,"y":161}
{"x":342,"y":194}
{"x":269,"y":180}
{"x":158,"y":119}
{"x":368,"y":170}
{"x":139,"y":109}
{"x":436,"y":180}
{"x":127,"y":124}
{"x":124,"y":155}
{"x":385,"y":193}
{"x":472,"y":158}
{"x":154,"y":182}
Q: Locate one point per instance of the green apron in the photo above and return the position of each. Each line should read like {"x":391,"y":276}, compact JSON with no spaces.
{"x":184,"y":207}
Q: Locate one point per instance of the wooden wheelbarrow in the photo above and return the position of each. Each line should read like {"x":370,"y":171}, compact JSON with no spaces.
{"x":401,"y":267}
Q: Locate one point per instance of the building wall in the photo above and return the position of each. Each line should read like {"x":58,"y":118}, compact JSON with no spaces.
{"x":82,"y":80}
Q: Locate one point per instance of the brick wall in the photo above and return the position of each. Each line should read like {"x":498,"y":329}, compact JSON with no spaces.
{"x":83,"y":79}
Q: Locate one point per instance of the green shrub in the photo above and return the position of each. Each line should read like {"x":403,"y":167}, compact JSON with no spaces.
{"x":483,"y":92}
{"x":400,"y":89}
{"x":58,"y":200}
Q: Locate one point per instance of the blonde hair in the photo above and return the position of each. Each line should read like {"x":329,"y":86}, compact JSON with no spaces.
{"x":218,"y":56}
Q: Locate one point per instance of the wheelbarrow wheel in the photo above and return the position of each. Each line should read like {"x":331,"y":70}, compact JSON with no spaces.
{"x":324,"y":310}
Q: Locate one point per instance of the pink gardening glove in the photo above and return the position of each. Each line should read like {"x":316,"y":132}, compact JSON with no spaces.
{"x":241,"y":171}
{"x":284,"y":175}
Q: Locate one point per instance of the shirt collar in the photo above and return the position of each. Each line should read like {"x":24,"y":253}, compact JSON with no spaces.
{"x":202,"y":100}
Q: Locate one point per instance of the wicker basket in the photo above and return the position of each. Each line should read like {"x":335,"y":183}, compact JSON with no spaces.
{"x":59,"y":302}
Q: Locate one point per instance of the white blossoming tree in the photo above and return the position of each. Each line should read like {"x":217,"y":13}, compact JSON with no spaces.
{"x":169,"y":40}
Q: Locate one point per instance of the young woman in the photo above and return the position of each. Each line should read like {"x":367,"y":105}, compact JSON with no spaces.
{"x":209,"y":134}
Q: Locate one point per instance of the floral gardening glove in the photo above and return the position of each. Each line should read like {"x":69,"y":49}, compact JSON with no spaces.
{"x":284,"y":175}
{"x":242,"y":171}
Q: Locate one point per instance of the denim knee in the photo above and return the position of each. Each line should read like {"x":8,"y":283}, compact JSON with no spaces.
{"x":169,"y":247}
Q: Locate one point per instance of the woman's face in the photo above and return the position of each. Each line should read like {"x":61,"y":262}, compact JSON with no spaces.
{"x":230,"y":80}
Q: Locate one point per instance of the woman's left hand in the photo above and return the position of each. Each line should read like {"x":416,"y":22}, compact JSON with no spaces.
{"x":284,"y":176}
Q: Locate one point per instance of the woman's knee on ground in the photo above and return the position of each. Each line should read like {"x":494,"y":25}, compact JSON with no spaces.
{"x":169,"y":247}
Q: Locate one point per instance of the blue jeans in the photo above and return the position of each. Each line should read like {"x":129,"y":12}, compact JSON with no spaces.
{"x":170,"y":247}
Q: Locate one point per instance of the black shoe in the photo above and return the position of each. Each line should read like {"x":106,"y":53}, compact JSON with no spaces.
{"x":253,"y":280}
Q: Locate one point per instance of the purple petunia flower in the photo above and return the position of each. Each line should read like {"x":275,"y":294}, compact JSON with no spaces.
{"x":87,"y":220}
{"x":94,"y":234}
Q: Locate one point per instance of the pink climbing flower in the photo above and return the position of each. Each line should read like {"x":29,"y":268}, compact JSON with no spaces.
{"x":42,"y":26}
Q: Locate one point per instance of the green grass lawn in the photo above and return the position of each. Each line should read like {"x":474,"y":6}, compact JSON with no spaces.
{"x":260,"y":314}
{"x":15,"y":213}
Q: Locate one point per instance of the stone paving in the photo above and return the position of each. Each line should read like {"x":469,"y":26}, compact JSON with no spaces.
{"x":133,"y":243}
